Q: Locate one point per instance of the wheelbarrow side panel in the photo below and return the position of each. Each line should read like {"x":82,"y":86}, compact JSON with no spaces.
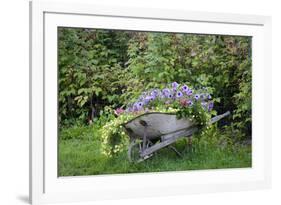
{"x":157,"y":125}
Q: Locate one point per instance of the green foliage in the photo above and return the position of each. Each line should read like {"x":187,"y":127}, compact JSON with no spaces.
{"x":113,"y":136}
{"x":99,"y":68}
{"x":90,"y":71}
{"x":197,"y":114}
{"x":106,"y":115}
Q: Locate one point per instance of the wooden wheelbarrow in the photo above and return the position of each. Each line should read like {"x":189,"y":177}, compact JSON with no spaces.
{"x":153,"y":131}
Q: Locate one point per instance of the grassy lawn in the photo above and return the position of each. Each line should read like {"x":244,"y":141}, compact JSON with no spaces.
{"x":80,"y":154}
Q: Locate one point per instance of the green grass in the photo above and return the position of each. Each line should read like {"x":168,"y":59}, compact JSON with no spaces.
{"x":80,"y":154}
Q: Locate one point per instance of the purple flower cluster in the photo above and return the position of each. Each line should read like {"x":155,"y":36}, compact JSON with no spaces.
{"x":170,"y":94}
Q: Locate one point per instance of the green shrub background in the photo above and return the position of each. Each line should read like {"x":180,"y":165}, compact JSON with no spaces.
{"x":101,"y":70}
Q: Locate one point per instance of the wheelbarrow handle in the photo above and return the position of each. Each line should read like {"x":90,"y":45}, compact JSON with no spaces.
{"x":217,"y":118}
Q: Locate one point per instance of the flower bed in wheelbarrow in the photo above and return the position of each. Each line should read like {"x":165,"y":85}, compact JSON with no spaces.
{"x":157,"y":119}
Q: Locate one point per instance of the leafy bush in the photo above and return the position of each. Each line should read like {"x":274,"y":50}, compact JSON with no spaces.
{"x":99,"y":68}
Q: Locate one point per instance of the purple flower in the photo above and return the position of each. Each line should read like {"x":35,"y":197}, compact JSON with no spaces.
{"x":185,"y":88}
{"x":152,"y":97}
{"x":210,"y":106}
{"x":189,"y":92}
{"x":172,"y":93}
{"x":175,"y":85}
{"x":204,"y":105}
{"x":189,"y":103}
{"x":179,"y":94}
{"x":166,"y":92}
{"x":147,"y":99}
{"x":129,"y":109}
{"x":161,"y":96}
{"x":137,"y":106}
{"x":154,"y":93}
{"x":197,"y":96}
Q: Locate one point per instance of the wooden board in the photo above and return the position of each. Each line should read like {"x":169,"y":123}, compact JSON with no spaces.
{"x":169,"y":139}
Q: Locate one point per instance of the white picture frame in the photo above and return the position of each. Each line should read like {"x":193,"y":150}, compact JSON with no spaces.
{"x":46,"y":186}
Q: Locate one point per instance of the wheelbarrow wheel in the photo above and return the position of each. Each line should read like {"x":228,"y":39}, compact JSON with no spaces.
{"x":134,"y":151}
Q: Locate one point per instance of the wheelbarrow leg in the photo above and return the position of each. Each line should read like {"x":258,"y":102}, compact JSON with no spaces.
{"x":144,"y":138}
{"x":175,"y":150}
{"x":189,"y":144}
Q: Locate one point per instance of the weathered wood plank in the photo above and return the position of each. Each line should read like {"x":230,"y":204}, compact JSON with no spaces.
{"x":169,"y":139}
{"x":217,"y":118}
